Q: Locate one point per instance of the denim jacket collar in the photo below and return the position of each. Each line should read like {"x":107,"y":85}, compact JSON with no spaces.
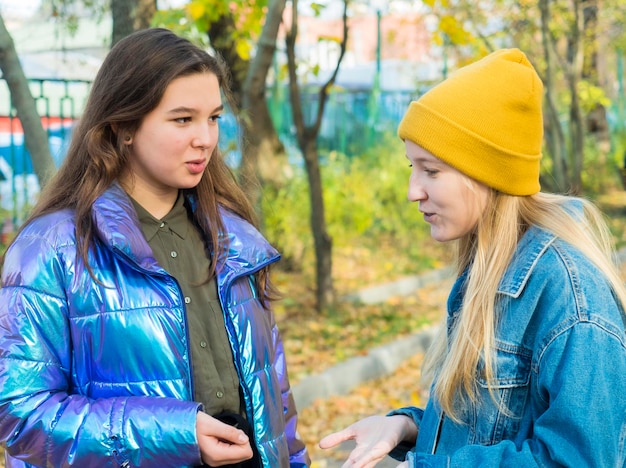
{"x":530,"y":248}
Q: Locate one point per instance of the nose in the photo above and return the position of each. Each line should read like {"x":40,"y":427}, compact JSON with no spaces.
{"x":416,"y":190}
{"x":205,"y":137}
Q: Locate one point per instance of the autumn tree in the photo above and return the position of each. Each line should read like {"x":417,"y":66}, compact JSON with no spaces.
{"x":307,"y":141}
{"x":35,"y":137}
{"x":563,"y":39}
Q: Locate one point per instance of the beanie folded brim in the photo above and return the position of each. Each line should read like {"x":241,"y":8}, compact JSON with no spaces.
{"x":486,"y":121}
{"x":476,"y":157}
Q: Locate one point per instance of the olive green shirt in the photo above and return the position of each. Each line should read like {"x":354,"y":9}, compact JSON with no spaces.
{"x":178,"y":247}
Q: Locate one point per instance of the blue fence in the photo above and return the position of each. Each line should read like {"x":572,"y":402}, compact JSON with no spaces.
{"x":59,"y":103}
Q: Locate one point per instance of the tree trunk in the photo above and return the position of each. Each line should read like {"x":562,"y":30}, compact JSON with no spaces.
{"x":123,"y":21}
{"x":322,"y":240}
{"x":307,"y":141}
{"x":596,"y":124}
{"x":130,"y":16}
{"x":263,"y":155}
{"x":555,"y":139}
{"x":144,"y":12}
{"x":573,"y":74}
{"x":35,"y":137}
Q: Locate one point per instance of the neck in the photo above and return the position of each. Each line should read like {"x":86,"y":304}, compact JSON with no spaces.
{"x":157,"y":203}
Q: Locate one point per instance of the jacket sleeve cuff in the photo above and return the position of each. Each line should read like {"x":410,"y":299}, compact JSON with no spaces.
{"x":156,"y":432}
{"x":400,"y":452}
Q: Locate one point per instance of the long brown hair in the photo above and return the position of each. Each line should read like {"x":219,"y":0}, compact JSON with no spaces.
{"x":130,"y":84}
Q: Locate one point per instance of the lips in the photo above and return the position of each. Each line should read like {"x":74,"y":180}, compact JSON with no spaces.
{"x":197,"y":166}
{"x":428,"y":217}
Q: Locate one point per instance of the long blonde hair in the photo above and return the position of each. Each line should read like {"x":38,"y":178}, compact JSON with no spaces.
{"x":453,"y":360}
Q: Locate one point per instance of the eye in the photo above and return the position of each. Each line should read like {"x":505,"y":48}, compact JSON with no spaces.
{"x":431,"y":172}
{"x":182,"y":120}
{"x":215,"y":118}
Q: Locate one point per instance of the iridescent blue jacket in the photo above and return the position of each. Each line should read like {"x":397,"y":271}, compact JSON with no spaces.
{"x":99,"y":373}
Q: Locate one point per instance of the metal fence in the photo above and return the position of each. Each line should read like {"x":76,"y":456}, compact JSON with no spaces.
{"x":353,"y":119}
{"x":59,"y":103}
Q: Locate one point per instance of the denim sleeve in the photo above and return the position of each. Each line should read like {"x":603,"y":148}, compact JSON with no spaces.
{"x":400,"y":452}
{"x":580,"y":381}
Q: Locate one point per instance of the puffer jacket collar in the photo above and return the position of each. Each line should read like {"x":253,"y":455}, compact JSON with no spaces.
{"x":118,"y":226}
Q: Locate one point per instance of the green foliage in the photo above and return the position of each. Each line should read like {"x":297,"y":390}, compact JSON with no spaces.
{"x":601,"y":174}
{"x":363,"y":193}
{"x":286,"y":214}
{"x":317,"y":8}
{"x":198,"y":15}
{"x":176,"y":19}
{"x":591,"y":95}
{"x":365,"y":202}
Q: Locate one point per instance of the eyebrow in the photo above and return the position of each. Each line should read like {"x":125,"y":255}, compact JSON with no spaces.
{"x":189,"y":110}
{"x":427,"y":160}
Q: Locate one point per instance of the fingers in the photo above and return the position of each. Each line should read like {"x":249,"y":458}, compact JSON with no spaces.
{"x":209,"y":426}
{"x":334,"y":439}
{"x":231,"y":435}
{"x":221,"y":444}
{"x":220,"y":453}
{"x":364,"y":457}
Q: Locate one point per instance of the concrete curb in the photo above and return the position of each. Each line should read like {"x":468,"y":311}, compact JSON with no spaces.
{"x":380,"y":361}
{"x":402,"y":287}
{"x":345,"y":376}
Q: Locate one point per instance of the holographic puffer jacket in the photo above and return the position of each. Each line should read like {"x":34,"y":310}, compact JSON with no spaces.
{"x":98,"y":374}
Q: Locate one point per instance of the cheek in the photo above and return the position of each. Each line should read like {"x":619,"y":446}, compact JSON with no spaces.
{"x":473,"y":207}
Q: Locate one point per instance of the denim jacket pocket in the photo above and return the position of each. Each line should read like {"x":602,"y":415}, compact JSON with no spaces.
{"x":497,"y":415}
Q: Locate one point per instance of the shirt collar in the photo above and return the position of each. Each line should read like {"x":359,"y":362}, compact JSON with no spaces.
{"x":176,"y":220}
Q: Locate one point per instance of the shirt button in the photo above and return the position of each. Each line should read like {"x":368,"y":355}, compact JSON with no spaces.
{"x":173,"y":254}
{"x":187,"y":300}
{"x":162,"y":225}
{"x":203,"y":344}
{"x":219,"y":394}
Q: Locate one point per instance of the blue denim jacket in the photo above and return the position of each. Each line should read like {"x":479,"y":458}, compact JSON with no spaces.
{"x":561,"y":369}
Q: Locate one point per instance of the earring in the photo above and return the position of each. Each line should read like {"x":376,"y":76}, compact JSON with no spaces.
{"x":127,"y":138}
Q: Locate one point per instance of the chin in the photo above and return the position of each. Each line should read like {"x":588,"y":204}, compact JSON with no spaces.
{"x":189,"y":184}
{"x":441,"y":237}
{"x":436,"y":235}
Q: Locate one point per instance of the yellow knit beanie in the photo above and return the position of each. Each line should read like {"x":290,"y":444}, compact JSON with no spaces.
{"x":485,"y":120}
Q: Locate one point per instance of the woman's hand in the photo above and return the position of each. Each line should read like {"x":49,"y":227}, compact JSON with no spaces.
{"x":375,"y":437}
{"x":221,"y":444}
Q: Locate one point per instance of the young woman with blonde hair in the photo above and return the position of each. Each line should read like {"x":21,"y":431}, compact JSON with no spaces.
{"x":530,"y":367}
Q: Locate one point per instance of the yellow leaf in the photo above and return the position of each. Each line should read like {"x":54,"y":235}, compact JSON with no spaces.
{"x":196,"y":10}
{"x":243,"y":50}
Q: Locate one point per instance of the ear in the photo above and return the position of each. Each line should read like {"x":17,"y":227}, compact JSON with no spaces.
{"x":128,"y":138}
